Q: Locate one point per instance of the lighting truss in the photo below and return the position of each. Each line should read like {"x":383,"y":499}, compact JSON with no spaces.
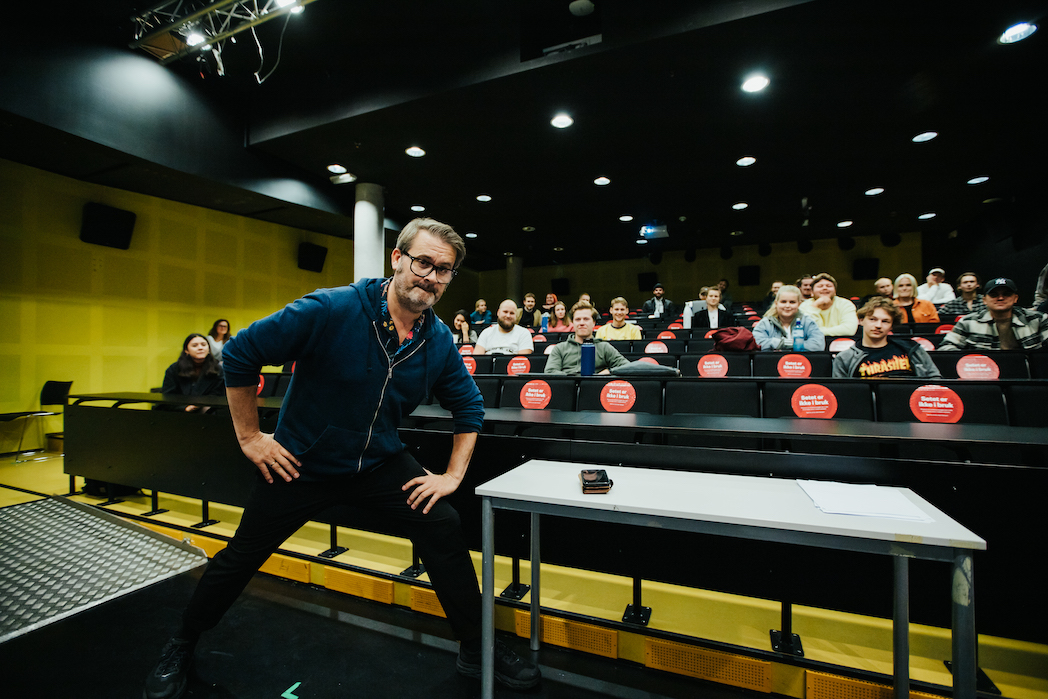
{"x":164,"y":30}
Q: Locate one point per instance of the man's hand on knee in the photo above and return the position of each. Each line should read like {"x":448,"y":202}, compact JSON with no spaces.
{"x":267,"y":454}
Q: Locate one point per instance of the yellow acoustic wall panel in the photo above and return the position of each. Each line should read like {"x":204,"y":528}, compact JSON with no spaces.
{"x":726,"y":668}
{"x":566,"y":633}
{"x":359,"y":585}
{"x":425,"y":600}
{"x":287,"y":567}
{"x":820,"y":685}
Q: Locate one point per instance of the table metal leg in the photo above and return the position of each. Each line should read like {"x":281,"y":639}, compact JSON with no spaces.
{"x":536,"y":606}
{"x":901,"y":628}
{"x":487,"y":589}
{"x":965,"y":642}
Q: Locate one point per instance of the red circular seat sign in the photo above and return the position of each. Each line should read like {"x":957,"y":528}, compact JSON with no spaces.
{"x":539,"y":338}
{"x":925,"y":343}
{"x":656,"y":347}
{"x":667,"y":335}
{"x":675,"y":326}
{"x":261,"y":384}
{"x":841,"y":344}
{"x":936,"y":404}
{"x":549,"y":349}
{"x":713,"y":366}
{"x":535,"y":395}
{"x":709,"y":333}
{"x":518,"y":365}
{"x":977,"y":366}
{"x":471,"y":364}
{"x":648,"y":360}
{"x":466,"y":349}
{"x":618,"y":396}
{"x":813,"y":400}
{"x":795,"y":365}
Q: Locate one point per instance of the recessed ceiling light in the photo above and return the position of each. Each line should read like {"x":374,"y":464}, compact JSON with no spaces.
{"x":926,"y":136}
{"x":755,"y":83}
{"x":601,"y":181}
{"x":508,"y":254}
{"x":736,"y":233}
{"x":625,"y":217}
{"x":925,"y":217}
{"x":978,"y":180}
{"x":483,"y":197}
{"x":844,"y":224}
{"x":874,"y":191}
{"x":418,"y":207}
{"x":1016,"y":32}
{"x":471,"y":234}
{"x":739,"y":205}
{"x":746,"y":161}
{"x":336,"y":168}
{"x":642,"y":241}
{"x":344,"y":178}
{"x":415,"y":152}
{"x":562,"y":121}
{"x":528,"y":229}
{"x":558,"y":249}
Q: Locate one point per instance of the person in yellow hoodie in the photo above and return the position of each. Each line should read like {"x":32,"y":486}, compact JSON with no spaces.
{"x":835,"y":315}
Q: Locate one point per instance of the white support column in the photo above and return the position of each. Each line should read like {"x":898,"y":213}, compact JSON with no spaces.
{"x":369,"y":253}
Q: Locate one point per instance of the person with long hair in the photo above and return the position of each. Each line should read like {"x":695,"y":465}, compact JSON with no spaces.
{"x":775,"y":330}
{"x":558,"y":319}
{"x":217,"y":337}
{"x":195,"y":373}
{"x":913,"y":309}
{"x":460,"y":330}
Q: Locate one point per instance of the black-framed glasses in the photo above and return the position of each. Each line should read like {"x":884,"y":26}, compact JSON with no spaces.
{"x":423,"y":268}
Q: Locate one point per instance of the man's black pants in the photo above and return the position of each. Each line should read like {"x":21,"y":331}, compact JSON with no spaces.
{"x":277,"y":510}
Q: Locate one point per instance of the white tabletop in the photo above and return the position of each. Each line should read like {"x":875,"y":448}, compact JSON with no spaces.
{"x":771,"y":503}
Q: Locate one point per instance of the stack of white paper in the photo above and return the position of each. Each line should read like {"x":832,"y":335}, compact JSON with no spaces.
{"x":862,"y":500}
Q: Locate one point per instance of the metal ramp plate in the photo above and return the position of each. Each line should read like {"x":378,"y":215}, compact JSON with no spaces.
{"x":59,"y":557}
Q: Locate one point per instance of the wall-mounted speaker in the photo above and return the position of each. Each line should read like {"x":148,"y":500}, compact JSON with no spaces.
{"x":749,"y":275}
{"x":866,"y":268}
{"x":646,"y":281}
{"x":311,"y":257}
{"x":106,"y":225}
{"x":561,"y":287}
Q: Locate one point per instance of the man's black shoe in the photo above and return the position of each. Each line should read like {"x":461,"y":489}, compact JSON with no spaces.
{"x":511,"y":670}
{"x":169,"y":678}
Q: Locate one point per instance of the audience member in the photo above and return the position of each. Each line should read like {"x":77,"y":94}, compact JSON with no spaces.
{"x":879,"y":354}
{"x":936,"y":289}
{"x":713,"y":314}
{"x":834,"y":314}
{"x":566,"y":357}
{"x":217,"y":337}
{"x":529,"y":316}
{"x":551,"y":301}
{"x":618,"y":328}
{"x":769,"y":299}
{"x":775,"y":330}
{"x":968,"y":302}
{"x":804,"y":284}
{"x":505,"y":337}
{"x":1003,"y":325}
{"x":1040,"y":294}
{"x":883,"y":287}
{"x":196,"y":373}
{"x":913,"y":310}
{"x":558,"y":320}
{"x":725,"y":297}
{"x":658,"y":306}
{"x":460,"y":330}
{"x":481,"y":316}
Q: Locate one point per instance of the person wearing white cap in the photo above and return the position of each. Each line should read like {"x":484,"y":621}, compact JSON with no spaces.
{"x":936,"y":289}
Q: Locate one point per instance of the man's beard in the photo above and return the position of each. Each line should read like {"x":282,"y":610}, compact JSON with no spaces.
{"x":403,"y":287}
{"x":506,"y":325}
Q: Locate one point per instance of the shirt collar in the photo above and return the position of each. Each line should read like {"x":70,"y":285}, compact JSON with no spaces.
{"x":386,"y":319}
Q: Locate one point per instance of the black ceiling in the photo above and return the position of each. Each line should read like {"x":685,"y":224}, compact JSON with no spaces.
{"x":657,"y":107}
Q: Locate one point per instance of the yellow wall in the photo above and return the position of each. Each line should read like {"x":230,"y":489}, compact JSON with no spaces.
{"x":113,"y":320}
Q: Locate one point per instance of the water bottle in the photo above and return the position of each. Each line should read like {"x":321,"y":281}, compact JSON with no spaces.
{"x":798,"y":336}
{"x":589,"y":358}
{"x":688,"y":313}
{"x":545,"y":321}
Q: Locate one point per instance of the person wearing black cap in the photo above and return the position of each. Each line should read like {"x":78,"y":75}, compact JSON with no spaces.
{"x":658,"y":306}
{"x":1003,"y":325}
{"x":936,"y":289}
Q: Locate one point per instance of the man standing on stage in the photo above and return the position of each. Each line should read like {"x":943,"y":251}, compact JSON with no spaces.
{"x":365,"y":355}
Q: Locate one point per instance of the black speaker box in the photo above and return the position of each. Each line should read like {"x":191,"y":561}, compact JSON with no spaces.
{"x":106,"y":225}
{"x":749,"y":275}
{"x":311,"y":257}
{"x":646,"y":281}
{"x":866,"y":268}
{"x":561,"y":287}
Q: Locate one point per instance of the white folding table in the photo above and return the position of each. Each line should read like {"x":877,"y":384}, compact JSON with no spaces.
{"x":748,"y":507}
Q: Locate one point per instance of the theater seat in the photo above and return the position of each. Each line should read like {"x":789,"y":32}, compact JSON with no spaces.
{"x":636,"y":396}
{"x":538,"y":392}
{"x":980,"y":403}
{"x":714,"y":364}
{"x":768,"y":364}
{"x":1007,"y":365}
{"x":1026,"y":404}
{"x":490,"y":388}
{"x":693,"y":397}
{"x":505,"y":364}
{"x":854,"y":399}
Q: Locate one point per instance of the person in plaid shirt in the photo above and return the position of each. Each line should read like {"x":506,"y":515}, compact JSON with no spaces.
{"x":1003,"y":325}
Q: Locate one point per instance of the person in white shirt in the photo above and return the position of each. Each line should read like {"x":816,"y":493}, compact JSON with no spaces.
{"x":506,"y":337}
{"x":936,"y":289}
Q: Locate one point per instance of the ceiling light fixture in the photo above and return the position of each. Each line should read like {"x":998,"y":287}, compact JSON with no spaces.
{"x":471,"y":234}
{"x":336,"y":168}
{"x":642,"y":241}
{"x":558,"y":249}
{"x":415,"y":152}
{"x":755,"y":83}
{"x":924,"y":137}
{"x":874,"y":191}
{"x":1016,"y":32}
{"x":746,"y":161}
{"x":626,"y":218}
{"x":736,"y":233}
{"x":483,"y":197}
{"x":844,"y":224}
{"x":740,"y":205}
{"x":344,"y":178}
{"x":978,"y":180}
{"x":418,"y":207}
{"x":926,"y":216}
{"x":528,"y":229}
{"x":601,"y":181}
{"x":562,"y":121}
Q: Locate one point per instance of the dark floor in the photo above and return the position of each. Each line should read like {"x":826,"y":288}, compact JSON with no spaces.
{"x":289,"y":639}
